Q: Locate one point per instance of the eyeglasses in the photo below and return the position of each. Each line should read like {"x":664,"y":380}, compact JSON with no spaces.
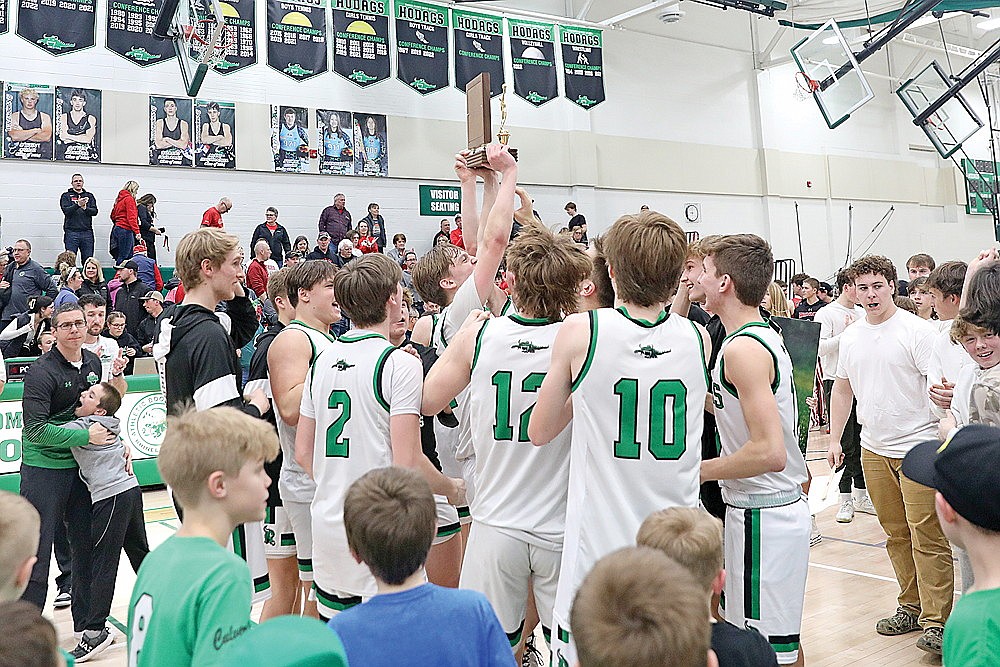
{"x":66,"y":326}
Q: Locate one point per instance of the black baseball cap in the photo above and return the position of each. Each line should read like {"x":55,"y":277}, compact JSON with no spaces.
{"x":128,"y":264}
{"x":963,"y":469}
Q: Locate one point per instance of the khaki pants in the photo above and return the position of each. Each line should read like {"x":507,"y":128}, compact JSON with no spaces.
{"x":919,"y":551}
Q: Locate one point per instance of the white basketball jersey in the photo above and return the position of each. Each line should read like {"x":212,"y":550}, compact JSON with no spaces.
{"x":733,"y":431}
{"x":355,"y":385}
{"x":511,"y":359}
{"x":294,"y":483}
{"x":638,"y":406}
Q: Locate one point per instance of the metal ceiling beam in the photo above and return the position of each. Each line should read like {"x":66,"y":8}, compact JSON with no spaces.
{"x":583,"y":10}
{"x":638,"y":11}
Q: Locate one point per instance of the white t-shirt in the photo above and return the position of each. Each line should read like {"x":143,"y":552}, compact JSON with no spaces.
{"x":887,"y":366}
{"x":107,"y":350}
{"x":833,"y":321}
{"x":947,"y":360}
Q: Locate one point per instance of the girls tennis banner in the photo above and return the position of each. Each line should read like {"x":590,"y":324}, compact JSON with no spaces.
{"x":361,"y":40}
{"x":296,"y":37}
{"x":533,"y":52}
{"x":583,"y":65}
{"x":57,"y":27}
{"x":421,"y":45}
{"x":478,"y":48}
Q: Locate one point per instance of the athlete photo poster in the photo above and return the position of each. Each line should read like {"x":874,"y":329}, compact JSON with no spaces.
{"x":371,"y":148}
{"x":801,"y":338}
{"x":27,"y":121}
{"x":78,"y":124}
{"x":290,"y":138}
{"x":215,"y":134}
{"x":170,"y":139}
{"x":336,"y":149}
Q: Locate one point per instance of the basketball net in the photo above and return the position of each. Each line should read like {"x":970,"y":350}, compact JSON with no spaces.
{"x":804,"y":86}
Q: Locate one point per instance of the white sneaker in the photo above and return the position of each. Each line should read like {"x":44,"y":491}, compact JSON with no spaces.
{"x":846,"y":512}
{"x":814,"y":535}
{"x":864,"y":505}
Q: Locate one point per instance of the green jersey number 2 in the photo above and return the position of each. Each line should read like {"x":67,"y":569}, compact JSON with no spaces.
{"x":502,"y":428}
{"x":336,"y":444}
{"x":627,"y":445}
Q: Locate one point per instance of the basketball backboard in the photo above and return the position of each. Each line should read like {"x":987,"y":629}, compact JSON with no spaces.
{"x":197,"y":29}
{"x":949,"y":126}
{"x":830,"y":72}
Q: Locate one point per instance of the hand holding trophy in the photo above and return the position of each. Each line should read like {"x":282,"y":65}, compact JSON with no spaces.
{"x":479,"y":121}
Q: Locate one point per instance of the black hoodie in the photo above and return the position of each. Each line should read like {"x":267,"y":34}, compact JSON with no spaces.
{"x":196,"y":350}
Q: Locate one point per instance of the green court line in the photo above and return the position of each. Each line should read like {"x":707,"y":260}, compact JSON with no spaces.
{"x":118,"y":624}
{"x":164,"y":523}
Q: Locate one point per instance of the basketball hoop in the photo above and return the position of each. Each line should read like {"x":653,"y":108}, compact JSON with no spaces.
{"x":805,"y":87}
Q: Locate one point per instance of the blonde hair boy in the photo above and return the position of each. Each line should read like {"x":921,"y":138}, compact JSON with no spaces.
{"x":19,"y":530}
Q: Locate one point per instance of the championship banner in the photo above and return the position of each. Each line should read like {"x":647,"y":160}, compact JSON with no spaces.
{"x":78,"y":125}
{"x":170,"y":142}
{"x":27,"y":121}
{"x":533,"y":52}
{"x":421,"y":45}
{"x":478,"y":49}
{"x":290,"y":138}
{"x":371,"y":148}
{"x":241,"y":25}
{"x":361,"y":40}
{"x":296,"y":37}
{"x":215,"y":131}
{"x":335,"y":144}
{"x":4,"y":22}
{"x":143,"y":417}
{"x":57,"y":27}
{"x":801,"y":339}
{"x":583,"y":65}
{"x":130,"y":32}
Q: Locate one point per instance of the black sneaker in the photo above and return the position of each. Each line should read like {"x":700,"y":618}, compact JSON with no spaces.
{"x":90,"y":647}
{"x":63,"y":599}
{"x":532,"y":656}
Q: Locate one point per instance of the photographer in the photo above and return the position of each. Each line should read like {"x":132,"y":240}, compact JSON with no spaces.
{"x":23,"y":278}
{"x":145,"y":207}
{"x":79,"y":208}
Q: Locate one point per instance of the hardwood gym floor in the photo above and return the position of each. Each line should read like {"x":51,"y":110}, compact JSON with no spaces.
{"x":850,"y":586}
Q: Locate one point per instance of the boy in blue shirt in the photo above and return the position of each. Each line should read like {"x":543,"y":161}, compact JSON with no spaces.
{"x":390,"y":519}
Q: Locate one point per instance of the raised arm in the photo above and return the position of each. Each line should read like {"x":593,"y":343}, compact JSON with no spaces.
{"x":554,"y":408}
{"x":497,"y":233}
{"x":451,"y":372}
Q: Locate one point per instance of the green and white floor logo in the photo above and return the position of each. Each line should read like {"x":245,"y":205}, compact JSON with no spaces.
{"x":147,"y":423}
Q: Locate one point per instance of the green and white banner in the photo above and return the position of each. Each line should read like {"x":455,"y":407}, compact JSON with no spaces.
{"x":421,"y":45}
{"x":533,"y":52}
{"x":478,"y":48}
{"x":583,"y":65}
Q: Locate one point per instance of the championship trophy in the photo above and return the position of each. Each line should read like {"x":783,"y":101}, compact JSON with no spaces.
{"x":479,"y":121}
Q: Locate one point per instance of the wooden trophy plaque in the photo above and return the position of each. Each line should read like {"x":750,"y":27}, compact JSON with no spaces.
{"x":479,"y":122}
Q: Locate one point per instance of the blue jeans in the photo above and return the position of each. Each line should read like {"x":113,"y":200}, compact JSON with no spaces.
{"x":82,"y":242}
{"x":125,"y":240}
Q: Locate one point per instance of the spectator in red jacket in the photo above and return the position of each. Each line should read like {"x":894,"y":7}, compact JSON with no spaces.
{"x":456,"y":234}
{"x":125,"y":217}
{"x":366,"y":242}
{"x":256,"y":271}
{"x":213,"y":216}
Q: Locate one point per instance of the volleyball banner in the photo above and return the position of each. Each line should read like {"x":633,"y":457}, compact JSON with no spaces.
{"x":533,"y":52}
{"x":421,"y":45}
{"x":361,"y":40}
{"x":583,"y":65}
{"x":296,"y":37}
{"x":478,"y":48}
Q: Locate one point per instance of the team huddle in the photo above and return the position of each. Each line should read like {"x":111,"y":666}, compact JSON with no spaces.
{"x":555,"y":420}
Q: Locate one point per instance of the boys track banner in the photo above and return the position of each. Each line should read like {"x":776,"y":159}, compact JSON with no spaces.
{"x":478,"y":48}
{"x":533,"y":51}
{"x":361,"y":40}
{"x":130,"y":32}
{"x":296,"y":37}
{"x":58,"y":27}
{"x":583,"y":65}
{"x":421,"y":45}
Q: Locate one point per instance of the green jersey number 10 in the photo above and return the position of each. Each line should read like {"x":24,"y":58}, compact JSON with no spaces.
{"x":627,"y":445}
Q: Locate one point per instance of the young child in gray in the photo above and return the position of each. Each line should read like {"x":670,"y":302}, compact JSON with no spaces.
{"x":117,"y":505}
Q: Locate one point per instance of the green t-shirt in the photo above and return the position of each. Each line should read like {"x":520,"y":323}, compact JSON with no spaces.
{"x":972,"y":633}
{"x":191,"y":600}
